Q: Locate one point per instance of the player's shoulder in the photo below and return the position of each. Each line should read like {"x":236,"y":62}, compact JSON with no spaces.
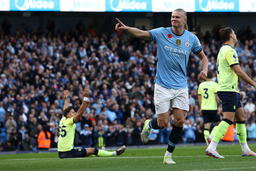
{"x":227,"y":49}
{"x":189,"y":33}
{"x":203,"y":83}
{"x":160,"y":29}
{"x":213,"y":83}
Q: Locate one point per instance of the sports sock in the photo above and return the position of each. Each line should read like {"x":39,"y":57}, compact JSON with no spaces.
{"x":214,"y":130}
{"x":212,"y":145}
{"x":153,"y":123}
{"x":167,"y":153}
{"x":174,"y":138}
{"x":206,"y":134}
{"x":221,"y":130}
{"x":242,"y":135}
{"x":103,"y":153}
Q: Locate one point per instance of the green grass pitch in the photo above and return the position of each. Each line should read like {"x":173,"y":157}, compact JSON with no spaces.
{"x":148,"y":159}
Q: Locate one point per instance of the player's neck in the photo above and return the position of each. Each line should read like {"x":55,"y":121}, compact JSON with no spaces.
{"x":178,"y":30}
{"x":230,"y":43}
{"x":208,"y":79}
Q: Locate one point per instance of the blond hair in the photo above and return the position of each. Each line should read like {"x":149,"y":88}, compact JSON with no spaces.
{"x":185,"y":14}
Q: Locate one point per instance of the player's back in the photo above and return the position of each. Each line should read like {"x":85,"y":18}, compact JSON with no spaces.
{"x":207,"y":90}
{"x":66,"y":134}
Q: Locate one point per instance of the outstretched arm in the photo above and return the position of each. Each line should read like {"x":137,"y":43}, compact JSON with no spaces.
{"x":84,"y":104}
{"x":66,"y":94}
{"x":132,"y":30}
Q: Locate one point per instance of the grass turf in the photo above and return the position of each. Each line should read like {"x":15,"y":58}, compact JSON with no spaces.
{"x":187,"y":158}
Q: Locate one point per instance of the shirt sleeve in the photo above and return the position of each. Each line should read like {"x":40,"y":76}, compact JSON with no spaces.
{"x":155,"y":33}
{"x":231,"y":57}
{"x":197,"y":47}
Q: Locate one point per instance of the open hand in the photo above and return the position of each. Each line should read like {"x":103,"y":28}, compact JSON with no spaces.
{"x":86,"y":92}
{"x":66,"y":94}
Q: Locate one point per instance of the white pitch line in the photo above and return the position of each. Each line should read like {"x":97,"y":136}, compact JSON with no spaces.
{"x":132,"y":157}
{"x":237,"y":168}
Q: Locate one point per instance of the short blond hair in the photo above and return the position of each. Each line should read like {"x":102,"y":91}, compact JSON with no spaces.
{"x":185,"y":14}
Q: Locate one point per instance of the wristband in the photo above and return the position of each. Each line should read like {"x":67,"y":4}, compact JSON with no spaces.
{"x":86,"y":99}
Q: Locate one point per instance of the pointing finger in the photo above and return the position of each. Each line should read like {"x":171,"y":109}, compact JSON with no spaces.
{"x":119,"y":21}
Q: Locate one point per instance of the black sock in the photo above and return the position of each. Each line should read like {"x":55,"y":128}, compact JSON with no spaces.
{"x":174,"y":138}
{"x":153,"y":123}
{"x":96,"y":151}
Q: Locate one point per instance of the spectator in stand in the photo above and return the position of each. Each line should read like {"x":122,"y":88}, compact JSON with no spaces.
{"x":10,"y":125}
{"x":54,"y":138}
{"x":199,"y":133}
{"x":2,"y":114}
{"x":121,"y":137}
{"x":251,"y":130}
{"x":21,"y":134}
{"x":42,"y":118}
{"x":15,"y":140}
{"x":44,"y":138}
{"x":28,"y":143}
{"x":153,"y":136}
{"x":189,"y":131}
{"x":99,"y":137}
{"x":86,"y":136}
{"x":110,"y":113}
{"x":250,"y":105}
{"x":9,"y":147}
{"x":136,"y":133}
{"x":246,"y":54}
{"x":105,"y":125}
{"x":111,"y":136}
{"x":32,"y":128}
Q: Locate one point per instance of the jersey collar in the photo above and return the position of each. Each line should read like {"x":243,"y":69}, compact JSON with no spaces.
{"x":228,"y":45}
{"x":176,"y":34}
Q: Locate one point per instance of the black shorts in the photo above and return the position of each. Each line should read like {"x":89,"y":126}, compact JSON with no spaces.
{"x":230,"y":101}
{"x":210,"y":116}
{"x":81,"y":152}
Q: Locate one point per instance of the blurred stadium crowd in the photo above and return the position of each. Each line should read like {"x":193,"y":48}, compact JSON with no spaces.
{"x":36,"y":66}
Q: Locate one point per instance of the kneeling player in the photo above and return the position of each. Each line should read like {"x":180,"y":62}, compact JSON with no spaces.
{"x":67,"y":132}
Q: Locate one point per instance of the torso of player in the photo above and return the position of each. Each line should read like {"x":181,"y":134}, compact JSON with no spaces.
{"x":207,"y":90}
{"x":227,"y":78}
{"x":173,"y":53}
{"x":66,"y":134}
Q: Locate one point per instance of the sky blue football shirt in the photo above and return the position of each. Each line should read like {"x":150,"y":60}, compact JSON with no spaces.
{"x":173,"y":54}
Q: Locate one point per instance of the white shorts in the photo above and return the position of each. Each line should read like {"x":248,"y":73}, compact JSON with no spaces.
{"x":165,"y":99}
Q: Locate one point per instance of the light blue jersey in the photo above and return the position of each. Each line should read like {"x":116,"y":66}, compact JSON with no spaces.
{"x":172,"y":54}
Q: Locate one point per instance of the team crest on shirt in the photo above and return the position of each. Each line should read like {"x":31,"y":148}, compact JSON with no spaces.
{"x":178,"y":42}
{"x":187,"y":44}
